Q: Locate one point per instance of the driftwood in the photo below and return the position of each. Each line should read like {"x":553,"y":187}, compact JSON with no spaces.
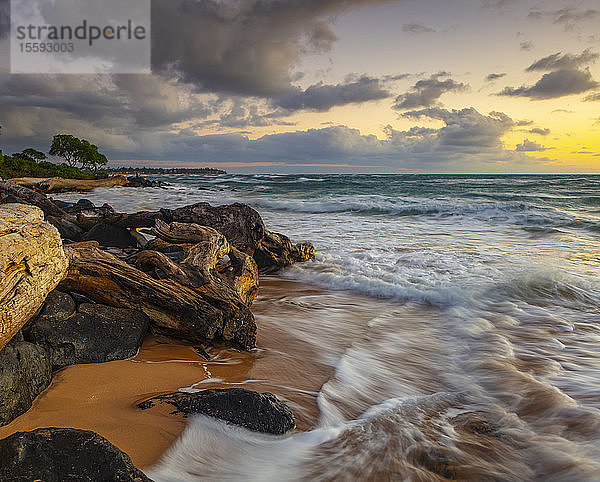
{"x":59,"y":184}
{"x":205,"y":298}
{"x":15,"y":193}
{"x":241,"y":225}
{"x":32,"y":263}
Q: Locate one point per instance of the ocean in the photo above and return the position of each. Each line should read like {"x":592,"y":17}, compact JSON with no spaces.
{"x":452,"y":323}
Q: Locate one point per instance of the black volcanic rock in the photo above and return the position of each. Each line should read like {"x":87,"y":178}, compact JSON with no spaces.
{"x":110,"y":235}
{"x":61,"y":454}
{"x":139,"y":181}
{"x":260,"y":412}
{"x":25,"y":372}
{"x":97,"y":333}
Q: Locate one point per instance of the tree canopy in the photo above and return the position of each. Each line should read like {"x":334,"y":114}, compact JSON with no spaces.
{"x":77,"y":151}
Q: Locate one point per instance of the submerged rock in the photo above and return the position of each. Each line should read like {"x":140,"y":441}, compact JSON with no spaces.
{"x":260,"y":412}
{"x":59,"y":454}
{"x":25,"y":372}
{"x":277,"y":251}
{"x":139,"y":181}
{"x":97,"y":333}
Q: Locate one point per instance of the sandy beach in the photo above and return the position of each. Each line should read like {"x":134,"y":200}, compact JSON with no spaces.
{"x":103,"y":397}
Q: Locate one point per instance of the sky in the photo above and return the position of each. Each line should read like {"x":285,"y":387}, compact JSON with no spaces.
{"x":456,"y":86}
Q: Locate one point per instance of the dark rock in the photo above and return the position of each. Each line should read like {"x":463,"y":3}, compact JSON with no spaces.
{"x":438,"y":462}
{"x":66,"y":228}
{"x":110,"y":235}
{"x":58,"y":306}
{"x":139,"y":181}
{"x":97,"y":333}
{"x":260,"y":412}
{"x":74,"y":208}
{"x":240,"y":224}
{"x":276,"y":251}
{"x":24,"y":373}
{"x":60,"y":454}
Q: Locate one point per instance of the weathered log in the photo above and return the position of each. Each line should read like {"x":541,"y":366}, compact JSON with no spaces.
{"x":209,"y":313}
{"x":32,"y":263}
{"x":210,"y":259}
{"x":59,"y":184}
{"x":25,"y":195}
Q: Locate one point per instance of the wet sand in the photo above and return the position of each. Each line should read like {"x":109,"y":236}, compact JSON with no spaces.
{"x":295,"y":356}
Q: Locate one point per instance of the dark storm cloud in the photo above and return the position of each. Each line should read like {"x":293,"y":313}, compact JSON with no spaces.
{"x":322,"y":97}
{"x":492,"y":77}
{"x":416,"y":28}
{"x":425,"y":93}
{"x":244,"y":47}
{"x":564,"y":61}
{"x":555,"y":84}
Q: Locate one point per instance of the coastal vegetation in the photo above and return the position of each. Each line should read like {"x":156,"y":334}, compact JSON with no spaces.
{"x":32,"y":163}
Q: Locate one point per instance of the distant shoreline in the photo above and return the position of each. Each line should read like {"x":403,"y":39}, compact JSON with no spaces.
{"x":164,"y":171}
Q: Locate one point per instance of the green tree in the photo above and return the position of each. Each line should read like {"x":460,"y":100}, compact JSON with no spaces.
{"x":67,"y":147}
{"x":89,"y":156}
{"x":31,"y":155}
{"x":77,"y":151}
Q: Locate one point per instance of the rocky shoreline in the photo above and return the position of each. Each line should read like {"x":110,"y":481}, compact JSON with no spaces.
{"x":190,"y":274}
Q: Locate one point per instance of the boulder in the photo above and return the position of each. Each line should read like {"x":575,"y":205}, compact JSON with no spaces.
{"x":110,"y":235}
{"x":139,"y":181}
{"x":97,"y":333}
{"x":58,"y":306}
{"x":260,"y":412}
{"x":60,"y":454}
{"x":25,"y":372}
{"x":32,"y":263}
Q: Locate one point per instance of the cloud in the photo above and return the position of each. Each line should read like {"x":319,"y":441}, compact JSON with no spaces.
{"x":539,"y":131}
{"x":526,"y":46}
{"x":530,"y":146}
{"x":564,"y":61}
{"x":425,"y":93}
{"x":569,"y":17}
{"x":322,"y":97}
{"x":468,"y":140}
{"x":416,"y":28}
{"x":522,"y":123}
{"x":593,"y":97}
{"x":466,"y":130}
{"x":492,"y":77}
{"x":555,"y":84}
{"x":241,"y":47}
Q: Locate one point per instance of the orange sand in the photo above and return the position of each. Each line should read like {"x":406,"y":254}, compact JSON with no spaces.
{"x":102,"y":397}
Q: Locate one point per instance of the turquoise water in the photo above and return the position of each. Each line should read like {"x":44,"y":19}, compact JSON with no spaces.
{"x":496,"y":288}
